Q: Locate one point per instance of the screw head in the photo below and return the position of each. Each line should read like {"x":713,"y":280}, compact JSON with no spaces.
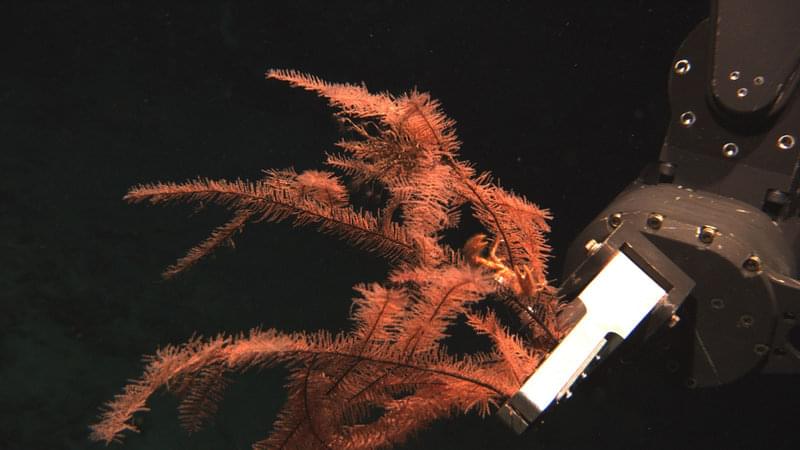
{"x":654,"y":221}
{"x":760,"y":349}
{"x":745,"y":321}
{"x":688,"y":118}
{"x":717,"y":303}
{"x":730,"y":149}
{"x":707,"y":234}
{"x":786,"y":142}
{"x":615,"y":220}
{"x":682,"y":67}
{"x":752,"y":264}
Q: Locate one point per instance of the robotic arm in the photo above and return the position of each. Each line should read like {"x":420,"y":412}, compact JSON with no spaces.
{"x":708,"y":236}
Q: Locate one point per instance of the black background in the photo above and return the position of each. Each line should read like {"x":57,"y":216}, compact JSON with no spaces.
{"x":563,"y":101}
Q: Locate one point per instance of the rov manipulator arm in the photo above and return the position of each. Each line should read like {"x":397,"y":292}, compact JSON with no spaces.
{"x":710,"y":234}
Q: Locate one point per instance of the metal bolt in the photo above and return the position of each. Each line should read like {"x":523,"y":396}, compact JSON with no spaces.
{"x":592,"y":246}
{"x":786,"y":142}
{"x":615,"y":220}
{"x":654,"y":220}
{"x":752,"y":264}
{"x":717,"y":303}
{"x":758,"y":81}
{"x":707,"y":234}
{"x":741,"y":92}
{"x":688,"y":118}
{"x":745,"y":321}
{"x":730,"y":150}
{"x":760,"y":349}
{"x":682,"y":67}
{"x":734,"y":75}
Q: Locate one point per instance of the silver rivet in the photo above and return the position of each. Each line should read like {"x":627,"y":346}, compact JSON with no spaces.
{"x":758,"y":81}
{"x":734,"y":75}
{"x":786,"y":142}
{"x":730,"y":150}
{"x":688,"y":118}
{"x":682,"y":67}
{"x":741,"y":92}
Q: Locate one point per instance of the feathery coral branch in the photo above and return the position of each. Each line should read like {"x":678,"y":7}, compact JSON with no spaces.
{"x":313,"y":200}
{"x":390,"y":376}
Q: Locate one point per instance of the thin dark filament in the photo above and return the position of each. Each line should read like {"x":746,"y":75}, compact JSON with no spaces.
{"x":415,"y":338}
{"x":360,"y":351}
{"x":407,"y":365}
{"x":307,"y":407}
{"x":291,"y":433}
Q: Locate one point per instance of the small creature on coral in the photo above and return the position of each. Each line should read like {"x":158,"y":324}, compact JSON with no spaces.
{"x":389,"y":376}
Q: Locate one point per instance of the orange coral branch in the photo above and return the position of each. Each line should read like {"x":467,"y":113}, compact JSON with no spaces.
{"x":375,"y":386}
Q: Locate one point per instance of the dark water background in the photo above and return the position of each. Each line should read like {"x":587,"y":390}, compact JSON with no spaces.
{"x":564,"y":103}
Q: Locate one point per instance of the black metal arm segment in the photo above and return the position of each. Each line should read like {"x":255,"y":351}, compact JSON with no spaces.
{"x":723,"y":200}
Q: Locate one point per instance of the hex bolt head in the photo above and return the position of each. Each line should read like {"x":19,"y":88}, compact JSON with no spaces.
{"x":752,"y":264}
{"x":707,"y":234}
{"x":615,"y":220}
{"x":654,"y":221}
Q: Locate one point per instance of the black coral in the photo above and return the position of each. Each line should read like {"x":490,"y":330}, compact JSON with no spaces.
{"x":391,"y":375}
